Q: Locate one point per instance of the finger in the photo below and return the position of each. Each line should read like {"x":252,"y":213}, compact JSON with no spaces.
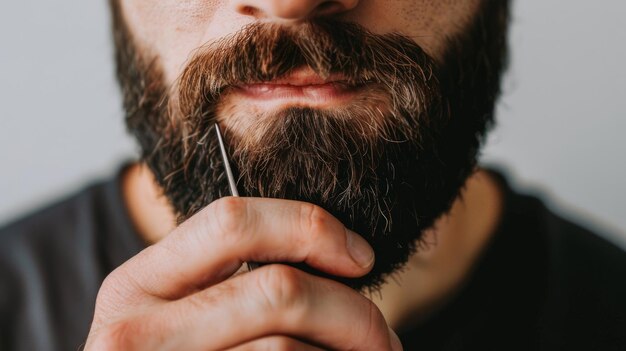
{"x":211,"y":245}
{"x":272,"y":300}
{"x":276,"y":343}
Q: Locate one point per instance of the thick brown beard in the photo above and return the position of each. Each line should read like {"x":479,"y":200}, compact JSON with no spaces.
{"x":387,"y":174}
{"x":329,"y":157}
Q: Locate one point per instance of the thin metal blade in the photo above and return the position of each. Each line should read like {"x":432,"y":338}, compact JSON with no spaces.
{"x":229,"y":172}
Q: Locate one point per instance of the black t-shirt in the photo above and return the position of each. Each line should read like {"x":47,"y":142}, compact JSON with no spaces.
{"x":543,"y":283}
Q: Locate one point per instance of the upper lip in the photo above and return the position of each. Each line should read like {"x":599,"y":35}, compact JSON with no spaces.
{"x":304,"y":77}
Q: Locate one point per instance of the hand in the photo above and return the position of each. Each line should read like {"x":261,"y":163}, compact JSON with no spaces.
{"x":176,"y":295}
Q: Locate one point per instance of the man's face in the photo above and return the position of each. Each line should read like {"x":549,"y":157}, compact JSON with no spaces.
{"x":374,"y":110}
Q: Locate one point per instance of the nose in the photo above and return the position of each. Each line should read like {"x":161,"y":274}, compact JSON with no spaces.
{"x":292,"y":10}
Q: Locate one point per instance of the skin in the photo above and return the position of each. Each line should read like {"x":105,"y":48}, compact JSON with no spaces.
{"x":182,"y":292}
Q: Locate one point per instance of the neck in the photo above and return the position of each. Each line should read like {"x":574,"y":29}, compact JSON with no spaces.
{"x":438,"y":270}
{"x":151,"y":213}
{"x":430,"y":278}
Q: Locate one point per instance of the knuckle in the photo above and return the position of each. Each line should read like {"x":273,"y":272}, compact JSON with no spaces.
{"x":108,"y":286}
{"x":120,"y":286}
{"x":375,"y":321}
{"x":111,"y":289}
{"x":282,"y":287}
{"x":110,"y":301}
{"x":229,"y":216}
{"x":113,"y":337}
{"x":315,"y":221}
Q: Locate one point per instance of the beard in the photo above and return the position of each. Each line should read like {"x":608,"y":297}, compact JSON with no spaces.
{"x":387,"y":164}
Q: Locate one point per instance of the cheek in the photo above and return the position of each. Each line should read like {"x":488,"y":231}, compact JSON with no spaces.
{"x":173,"y":29}
{"x":428,"y":22}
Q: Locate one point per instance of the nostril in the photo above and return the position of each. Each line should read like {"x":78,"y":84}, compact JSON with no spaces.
{"x":292,"y":9}
{"x":328,"y":7}
{"x":248,"y":11}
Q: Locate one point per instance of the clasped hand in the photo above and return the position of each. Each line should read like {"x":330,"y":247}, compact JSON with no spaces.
{"x":180,"y":294}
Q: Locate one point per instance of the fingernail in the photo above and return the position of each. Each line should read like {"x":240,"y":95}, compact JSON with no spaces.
{"x":396,"y":345}
{"x":359,"y":249}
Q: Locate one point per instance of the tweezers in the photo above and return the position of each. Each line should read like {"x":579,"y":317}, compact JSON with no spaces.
{"x":231,"y":179}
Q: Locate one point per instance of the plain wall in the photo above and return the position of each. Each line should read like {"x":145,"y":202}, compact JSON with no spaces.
{"x":560,"y":119}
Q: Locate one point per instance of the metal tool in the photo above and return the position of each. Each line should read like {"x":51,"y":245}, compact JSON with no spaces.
{"x":231,"y":179}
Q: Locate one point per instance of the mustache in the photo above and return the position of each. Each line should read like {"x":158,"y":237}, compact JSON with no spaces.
{"x":265,"y":52}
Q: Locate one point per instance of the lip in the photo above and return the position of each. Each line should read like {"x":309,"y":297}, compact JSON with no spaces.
{"x":305,"y":77}
{"x":314,"y":93}
{"x":301,"y":87}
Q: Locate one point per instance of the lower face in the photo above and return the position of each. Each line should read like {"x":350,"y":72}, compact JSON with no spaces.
{"x":378,"y":121}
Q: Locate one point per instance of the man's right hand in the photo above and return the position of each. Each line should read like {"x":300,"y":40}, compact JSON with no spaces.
{"x":176,"y":295}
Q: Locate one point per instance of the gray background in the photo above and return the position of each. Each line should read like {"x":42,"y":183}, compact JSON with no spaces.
{"x":560,"y":119}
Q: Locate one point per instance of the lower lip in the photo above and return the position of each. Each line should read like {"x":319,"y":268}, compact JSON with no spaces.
{"x":327,"y":94}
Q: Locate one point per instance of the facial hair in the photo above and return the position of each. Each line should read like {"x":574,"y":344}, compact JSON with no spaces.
{"x":387,"y":165}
